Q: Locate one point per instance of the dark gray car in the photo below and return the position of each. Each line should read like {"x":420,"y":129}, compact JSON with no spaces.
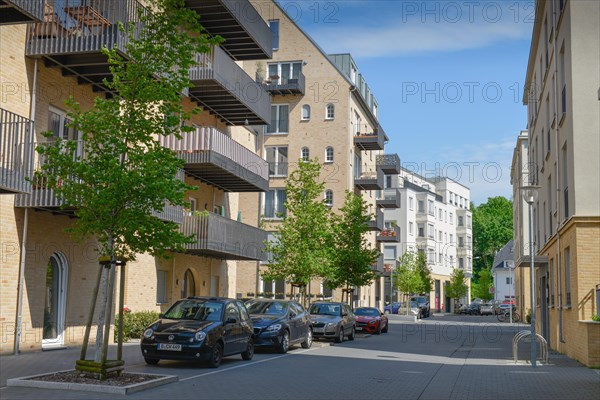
{"x":332,"y":321}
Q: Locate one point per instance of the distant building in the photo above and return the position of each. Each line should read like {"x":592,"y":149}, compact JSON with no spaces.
{"x":503,"y":273}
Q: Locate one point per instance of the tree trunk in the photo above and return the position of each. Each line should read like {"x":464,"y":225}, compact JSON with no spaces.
{"x":101,"y":315}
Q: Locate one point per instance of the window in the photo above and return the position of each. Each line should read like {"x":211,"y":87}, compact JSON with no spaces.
{"x":231,"y":311}
{"x":440,"y":214}
{"x":563,"y":82}
{"x":461,"y":220}
{"x":461,"y":241}
{"x":193,"y":204}
{"x":411,"y":203}
{"x":329,"y":154}
{"x":305,"y":154}
{"x":551,"y":281}
{"x":389,"y":252}
{"x":161,"y":287}
{"x":275,"y":204}
{"x":451,"y":238}
{"x":357,"y":121}
{"x":57,"y":124}
{"x":274,"y":25}
{"x":421,"y":204}
{"x":388,"y":182}
{"x":451,"y":219}
{"x":270,"y":239}
{"x":279,"y":119}
{"x":565,"y":176}
{"x":305,"y":112}
{"x":461,"y":263}
{"x":431,"y":207}
{"x":411,"y":228}
{"x":329,"y":198}
{"x":508,"y":281}
{"x":440,"y":236}
{"x":330,"y":111}
{"x":568,"y":276}
{"x":284,"y":73}
{"x":277,"y":157}
{"x":430,"y":233}
{"x":421,"y":228}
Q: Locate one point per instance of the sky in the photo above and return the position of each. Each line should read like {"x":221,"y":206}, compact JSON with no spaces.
{"x":448,"y":77}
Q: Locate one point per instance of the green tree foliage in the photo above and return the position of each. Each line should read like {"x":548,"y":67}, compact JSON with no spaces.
{"x":119,"y":172}
{"x":481,"y":288}
{"x":407,"y":277}
{"x":457,"y":287}
{"x":302,"y":247}
{"x":353,"y":257}
{"x":492,"y":228}
{"x":424,"y":274}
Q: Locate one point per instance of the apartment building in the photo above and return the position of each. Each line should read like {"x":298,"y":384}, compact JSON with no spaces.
{"x":433,"y":217}
{"x":563,"y":82}
{"x":51,"y":50}
{"x":322,"y":108}
{"x":503,"y":273}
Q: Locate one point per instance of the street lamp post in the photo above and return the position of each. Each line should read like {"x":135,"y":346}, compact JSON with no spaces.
{"x":530,"y":194}
{"x":511,"y":267}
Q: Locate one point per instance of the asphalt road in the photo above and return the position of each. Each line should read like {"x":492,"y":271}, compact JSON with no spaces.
{"x":451,"y":357}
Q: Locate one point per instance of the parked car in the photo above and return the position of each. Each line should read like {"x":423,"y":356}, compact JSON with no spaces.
{"x":370,"y":319}
{"x":200,"y":328}
{"x":392,"y":308}
{"x":473,"y":309}
{"x":423,"y":302}
{"x":487,"y":308}
{"x":332,"y":321}
{"x":279,"y":324}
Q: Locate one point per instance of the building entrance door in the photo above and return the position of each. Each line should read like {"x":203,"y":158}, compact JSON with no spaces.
{"x":55,"y":301}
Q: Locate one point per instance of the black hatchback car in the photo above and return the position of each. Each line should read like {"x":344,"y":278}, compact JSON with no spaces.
{"x":279,"y":324}
{"x":200,"y":328}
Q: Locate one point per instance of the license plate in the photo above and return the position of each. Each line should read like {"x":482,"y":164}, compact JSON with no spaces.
{"x":169,"y":346}
{"x":319,"y":330}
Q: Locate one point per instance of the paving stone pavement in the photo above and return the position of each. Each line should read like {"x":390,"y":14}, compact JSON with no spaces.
{"x":444,"y":357}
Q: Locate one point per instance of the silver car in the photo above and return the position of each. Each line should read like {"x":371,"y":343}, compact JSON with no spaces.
{"x":332,"y":321}
{"x":487,"y":309}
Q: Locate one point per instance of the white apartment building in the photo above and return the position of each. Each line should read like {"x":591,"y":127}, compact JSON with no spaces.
{"x":433,"y":217}
{"x":503,"y":273}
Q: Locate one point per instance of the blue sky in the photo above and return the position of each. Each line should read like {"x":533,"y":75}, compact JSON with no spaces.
{"x":448,"y":76}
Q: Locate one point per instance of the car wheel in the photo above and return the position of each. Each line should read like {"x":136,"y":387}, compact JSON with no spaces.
{"x":385,"y":330}
{"x":216,"y":356}
{"x":151,"y":361}
{"x":284,"y":344}
{"x":249,"y":353}
{"x":308,"y":340}
{"x":340,"y":336}
{"x":352,"y":334}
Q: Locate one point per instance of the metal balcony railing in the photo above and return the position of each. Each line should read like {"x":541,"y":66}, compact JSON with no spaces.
{"x":217,"y":159}
{"x":21,"y":11}
{"x":389,"y":163}
{"x":377,"y":224}
{"x":16,"y":152}
{"x":369,"y":140}
{"x":391,"y":234}
{"x":223,"y":87}
{"x":220,"y":237}
{"x":286,"y":86}
{"x":370,"y":180}
{"x":391,"y":199}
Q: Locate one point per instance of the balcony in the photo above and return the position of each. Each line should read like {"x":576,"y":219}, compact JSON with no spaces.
{"x":389,"y":163}
{"x":391,"y":199}
{"x":247,"y":36}
{"x":379,"y":266}
{"x":225,"y":89}
{"x":372,"y":180}
{"x":217,"y":159}
{"x":389,"y":235}
{"x":377,"y":223}
{"x":219,"y":237}
{"x":16,"y":152}
{"x":369,"y":141}
{"x":283,"y":86}
{"x":21,"y":11}
{"x":73,"y":33}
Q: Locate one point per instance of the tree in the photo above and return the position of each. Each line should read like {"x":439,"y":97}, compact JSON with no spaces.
{"x":302,"y":248}
{"x":456,"y":288}
{"x":481,"y":288}
{"x":120,"y":173}
{"x":353,"y":257}
{"x":424,"y":273}
{"x":407,"y":278}
{"x":492,"y":228}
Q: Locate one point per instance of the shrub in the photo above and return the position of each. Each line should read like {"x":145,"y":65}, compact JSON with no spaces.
{"x":134,"y":324}
{"x":596,"y":318}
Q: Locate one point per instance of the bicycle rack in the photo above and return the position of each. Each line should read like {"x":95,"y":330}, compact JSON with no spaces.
{"x":539,"y":338}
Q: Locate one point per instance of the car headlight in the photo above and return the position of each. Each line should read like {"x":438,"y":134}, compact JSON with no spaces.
{"x":274,"y":327}
{"x":148,"y":332}
{"x":200,"y":336}
{"x":331,"y":324}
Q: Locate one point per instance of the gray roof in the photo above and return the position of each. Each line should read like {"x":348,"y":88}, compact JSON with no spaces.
{"x":506,"y":253}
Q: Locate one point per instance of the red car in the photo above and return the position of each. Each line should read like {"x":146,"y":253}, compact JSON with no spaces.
{"x":370,"y":319}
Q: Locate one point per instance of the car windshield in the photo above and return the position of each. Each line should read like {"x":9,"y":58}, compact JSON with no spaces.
{"x":195,"y":310}
{"x":370,"y":312}
{"x":413,"y":304}
{"x":420,"y":300}
{"x":267,"y":307}
{"x":325,"y":309}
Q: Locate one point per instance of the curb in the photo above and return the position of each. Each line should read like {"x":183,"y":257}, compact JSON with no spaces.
{"x":27,"y":381}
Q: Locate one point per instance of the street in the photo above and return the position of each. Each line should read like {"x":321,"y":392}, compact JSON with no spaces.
{"x":443,"y":357}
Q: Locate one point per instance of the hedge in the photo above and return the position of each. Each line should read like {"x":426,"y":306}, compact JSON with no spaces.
{"x":134,"y":324}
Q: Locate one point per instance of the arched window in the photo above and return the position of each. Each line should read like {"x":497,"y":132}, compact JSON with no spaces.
{"x":305,"y":154}
{"x":189,"y":287}
{"x":305,"y":112}
{"x":329,"y":154}
{"x":329,"y":198}
{"x":330,"y":111}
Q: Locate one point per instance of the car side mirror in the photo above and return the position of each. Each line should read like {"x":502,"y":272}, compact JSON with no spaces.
{"x":231,"y":320}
